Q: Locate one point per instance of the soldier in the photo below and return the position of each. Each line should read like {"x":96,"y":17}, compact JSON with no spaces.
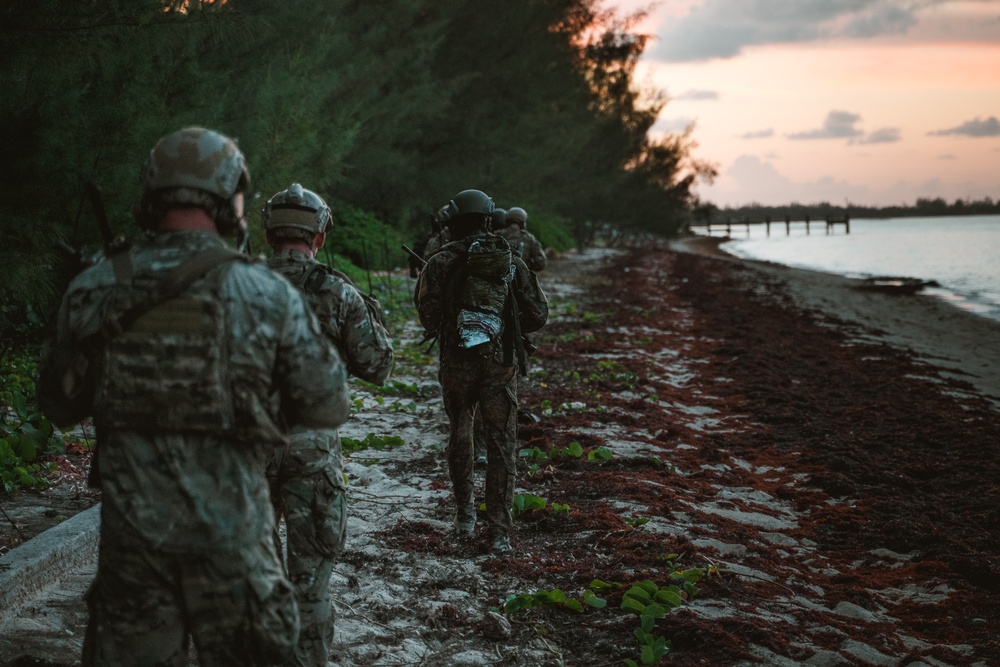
{"x":522,"y":241}
{"x":499,"y":219}
{"x":479,"y":299}
{"x":183,"y":350}
{"x":442,"y":235}
{"x":307,"y":478}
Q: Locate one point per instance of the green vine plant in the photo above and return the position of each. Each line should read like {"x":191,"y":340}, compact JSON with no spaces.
{"x":612,"y":372}
{"x":370,"y":441}
{"x":573,"y":451}
{"x":527,"y":502}
{"x":634,"y":522}
{"x":646,"y":599}
{"x":517,"y":603}
{"x":652,"y":602}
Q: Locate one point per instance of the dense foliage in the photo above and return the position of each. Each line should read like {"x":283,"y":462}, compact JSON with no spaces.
{"x":384,"y":108}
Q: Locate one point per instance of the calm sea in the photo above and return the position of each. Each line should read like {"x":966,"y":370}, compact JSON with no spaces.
{"x":961,"y":253}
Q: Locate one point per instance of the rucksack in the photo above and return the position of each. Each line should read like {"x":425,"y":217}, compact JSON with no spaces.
{"x":313,"y":280}
{"x":488,"y":273}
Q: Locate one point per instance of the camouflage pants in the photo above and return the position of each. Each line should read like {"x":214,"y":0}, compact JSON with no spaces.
{"x":473,"y":386}
{"x":146,"y":606}
{"x":308,"y":489}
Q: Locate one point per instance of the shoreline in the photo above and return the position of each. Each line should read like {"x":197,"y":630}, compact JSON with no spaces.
{"x":960,"y":343}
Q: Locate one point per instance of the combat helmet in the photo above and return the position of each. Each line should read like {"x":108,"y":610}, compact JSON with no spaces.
{"x":298,"y":208}
{"x":194,"y":167}
{"x":519,"y":216}
{"x":499,"y":218}
{"x":470,"y":202}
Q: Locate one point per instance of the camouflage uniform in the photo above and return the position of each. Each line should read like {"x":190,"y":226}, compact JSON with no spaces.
{"x":186,"y":402}
{"x":436,"y":242}
{"x":471,"y":382}
{"x":526,"y":245}
{"x":307,"y":478}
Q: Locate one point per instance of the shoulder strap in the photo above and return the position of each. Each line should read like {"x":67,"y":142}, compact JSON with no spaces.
{"x":314,"y":278}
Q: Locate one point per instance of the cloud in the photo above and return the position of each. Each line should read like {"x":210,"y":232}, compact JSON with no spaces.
{"x":838,"y":125}
{"x":887,"y":135}
{"x":670,"y":125}
{"x":698,"y":95}
{"x":976,"y":127}
{"x":881,"y":18}
{"x":723,"y":28}
{"x":751,"y":179}
{"x":760,"y":134}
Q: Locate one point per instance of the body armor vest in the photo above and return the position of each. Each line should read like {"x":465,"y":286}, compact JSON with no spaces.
{"x":167,"y":369}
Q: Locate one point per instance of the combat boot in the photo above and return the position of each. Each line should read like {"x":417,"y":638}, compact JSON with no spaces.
{"x":465,"y":522}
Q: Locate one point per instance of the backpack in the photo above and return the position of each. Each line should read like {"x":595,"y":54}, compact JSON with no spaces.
{"x":483,"y":304}
{"x":313,"y":280}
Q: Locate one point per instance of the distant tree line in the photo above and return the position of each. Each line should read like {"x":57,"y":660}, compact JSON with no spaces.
{"x":386,"y":108}
{"x":922,"y":208}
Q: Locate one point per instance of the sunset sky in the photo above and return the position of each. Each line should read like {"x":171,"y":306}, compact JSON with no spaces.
{"x":876,"y":102}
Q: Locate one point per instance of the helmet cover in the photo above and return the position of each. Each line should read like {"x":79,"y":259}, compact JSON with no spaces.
{"x":298,"y":208}
{"x":199,"y":159}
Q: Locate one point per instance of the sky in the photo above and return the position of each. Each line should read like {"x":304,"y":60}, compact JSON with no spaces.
{"x":872,"y":102}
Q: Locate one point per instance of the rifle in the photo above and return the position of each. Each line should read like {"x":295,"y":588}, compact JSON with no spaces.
{"x":413,"y":253}
{"x":428,"y":335}
{"x":112,"y":243}
{"x":368,"y":267}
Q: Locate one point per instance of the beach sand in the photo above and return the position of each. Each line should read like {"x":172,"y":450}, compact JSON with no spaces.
{"x":963,"y":345}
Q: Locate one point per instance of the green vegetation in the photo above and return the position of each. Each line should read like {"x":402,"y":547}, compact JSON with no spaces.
{"x":527,"y":502}
{"x":650,"y":601}
{"x":515,"y":604}
{"x":25,"y":435}
{"x":370,"y":441}
{"x":386,"y":110}
{"x":572,"y":451}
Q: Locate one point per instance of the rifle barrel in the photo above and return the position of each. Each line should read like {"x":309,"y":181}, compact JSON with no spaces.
{"x":414,"y":255}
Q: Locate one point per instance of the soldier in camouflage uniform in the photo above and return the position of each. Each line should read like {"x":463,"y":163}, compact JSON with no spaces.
{"x":499,"y":219}
{"x":307,"y":478}
{"x":187,"y":355}
{"x":522,"y":241}
{"x":442,"y":235}
{"x":479,"y":319}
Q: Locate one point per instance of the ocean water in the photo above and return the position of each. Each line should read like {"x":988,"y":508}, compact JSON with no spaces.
{"x":961,"y":253}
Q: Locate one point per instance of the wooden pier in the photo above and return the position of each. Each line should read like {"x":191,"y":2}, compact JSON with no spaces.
{"x":829,"y":224}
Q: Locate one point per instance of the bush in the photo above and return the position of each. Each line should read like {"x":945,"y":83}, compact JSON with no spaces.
{"x":25,"y":435}
{"x":363,"y":239}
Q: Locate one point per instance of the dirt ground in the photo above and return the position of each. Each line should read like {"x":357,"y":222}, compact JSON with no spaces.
{"x":836,"y":496}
